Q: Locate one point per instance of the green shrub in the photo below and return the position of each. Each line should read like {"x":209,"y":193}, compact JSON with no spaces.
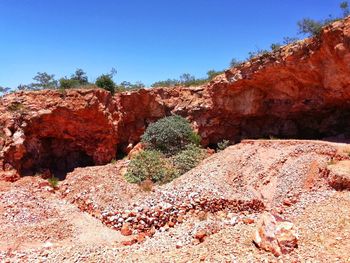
{"x":275,"y":46}
{"x":65,"y":83}
{"x":223,"y":145}
{"x":149,"y":165}
{"x":105,"y":81}
{"x":189,"y":158}
{"x":170,"y":135}
{"x":344,"y":6}
{"x":235,"y":62}
{"x":53,"y":181}
{"x":289,"y":40}
{"x":213,"y":73}
{"x":310,"y":27}
{"x":166,"y":83}
{"x":257,"y":53}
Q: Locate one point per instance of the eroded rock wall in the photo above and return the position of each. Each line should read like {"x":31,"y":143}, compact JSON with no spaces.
{"x":299,"y":91}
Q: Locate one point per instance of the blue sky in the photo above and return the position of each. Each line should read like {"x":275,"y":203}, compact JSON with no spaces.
{"x":144,"y":40}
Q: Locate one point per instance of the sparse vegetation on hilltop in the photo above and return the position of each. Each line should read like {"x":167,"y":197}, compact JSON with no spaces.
{"x":79,"y":79}
{"x":187,"y":80}
{"x":311,"y":27}
{"x":43,"y":80}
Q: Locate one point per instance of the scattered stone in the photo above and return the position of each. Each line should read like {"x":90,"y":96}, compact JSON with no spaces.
{"x":125,"y":230}
{"x":129,"y":242}
{"x":200,"y":235}
{"x":179,"y":245}
{"x":248,"y":221}
{"x":202,"y":215}
{"x":233,"y":220}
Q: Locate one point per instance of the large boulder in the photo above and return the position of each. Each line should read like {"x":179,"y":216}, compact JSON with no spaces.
{"x":339,"y":175}
{"x":275,"y":234}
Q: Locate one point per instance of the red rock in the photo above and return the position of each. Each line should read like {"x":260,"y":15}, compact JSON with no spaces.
{"x":141,"y":237}
{"x":248,"y":221}
{"x":180,"y":219}
{"x":129,"y":242}
{"x":287,"y":202}
{"x":210,"y":151}
{"x":136,"y":150}
{"x":126,"y":230}
{"x":202,"y":215}
{"x":152,"y":231}
{"x":179,"y":245}
{"x":200,"y":235}
{"x":9,"y":176}
{"x":275,"y":235}
{"x":339,"y":175}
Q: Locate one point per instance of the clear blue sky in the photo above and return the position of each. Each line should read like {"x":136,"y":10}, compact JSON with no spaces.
{"x":146,"y":40}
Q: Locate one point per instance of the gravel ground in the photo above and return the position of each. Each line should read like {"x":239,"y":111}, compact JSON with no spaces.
{"x":288,"y":177}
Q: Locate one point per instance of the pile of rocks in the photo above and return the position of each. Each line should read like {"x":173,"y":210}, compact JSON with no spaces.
{"x":163,"y":215}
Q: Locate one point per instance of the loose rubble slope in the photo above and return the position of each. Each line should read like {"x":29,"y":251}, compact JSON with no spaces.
{"x":290,"y":178}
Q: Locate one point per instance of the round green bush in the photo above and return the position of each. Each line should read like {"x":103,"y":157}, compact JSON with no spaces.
{"x":170,"y":135}
{"x":189,"y":158}
{"x":106,"y":82}
{"x":151,"y":165}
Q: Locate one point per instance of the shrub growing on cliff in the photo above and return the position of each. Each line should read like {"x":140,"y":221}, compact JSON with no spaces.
{"x":65,"y":83}
{"x":189,"y":158}
{"x":275,"y":46}
{"x":106,"y":82}
{"x":213,"y":73}
{"x":80,"y":77}
{"x":53,"y":181}
{"x":234,"y":62}
{"x":310,"y":27}
{"x":44,"y":81}
{"x":149,"y":165}
{"x":344,"y":6}
{"x":223,"y":145}
{"x":170,"y":135}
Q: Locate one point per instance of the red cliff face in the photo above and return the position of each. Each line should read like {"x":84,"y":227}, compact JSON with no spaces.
{"x":299,"y":91}
{"x":48,"y":129}
{"x":302,"y":90}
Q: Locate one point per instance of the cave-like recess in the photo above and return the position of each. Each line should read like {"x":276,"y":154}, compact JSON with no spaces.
{"x":59,"y":156}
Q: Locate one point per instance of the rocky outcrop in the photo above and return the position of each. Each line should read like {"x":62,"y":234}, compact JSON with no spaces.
{"x":300,"y":91}
{"x":57,"y":131}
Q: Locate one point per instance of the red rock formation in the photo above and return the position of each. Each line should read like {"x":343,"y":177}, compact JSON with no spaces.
{"x":300,"y":91}
{"x":50,"y":130}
